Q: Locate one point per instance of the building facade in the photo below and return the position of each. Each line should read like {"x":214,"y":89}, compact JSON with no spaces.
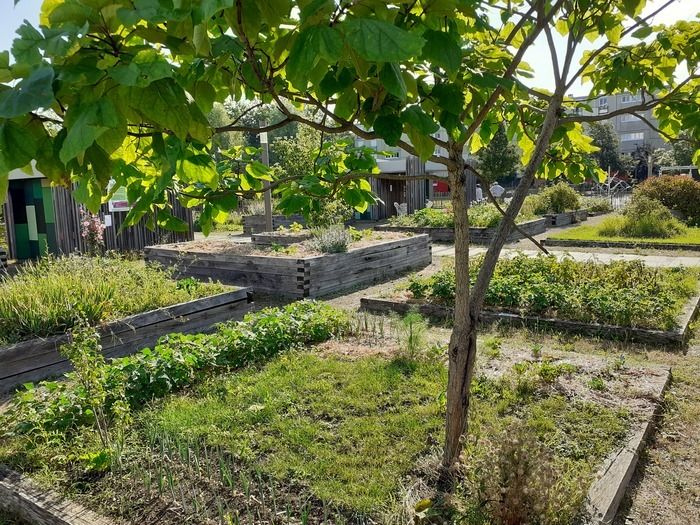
{"x":631,"y":130}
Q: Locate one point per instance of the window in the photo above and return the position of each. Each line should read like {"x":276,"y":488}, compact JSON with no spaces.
{"x":628,"y":98}
{"x":602,"y":105}
{"x":630,"y":118}
{"x":626,"y":137}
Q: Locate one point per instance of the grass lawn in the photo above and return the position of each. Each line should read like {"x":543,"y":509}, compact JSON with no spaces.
{"x":312,"y":438}
{"x":590,"y":233}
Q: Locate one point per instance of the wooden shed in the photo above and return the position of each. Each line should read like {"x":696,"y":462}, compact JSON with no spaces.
{"x":42,"y":219}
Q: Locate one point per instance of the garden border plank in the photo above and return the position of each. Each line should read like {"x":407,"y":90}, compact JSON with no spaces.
{"x":39,"y":358}
{"x":677,"y":337}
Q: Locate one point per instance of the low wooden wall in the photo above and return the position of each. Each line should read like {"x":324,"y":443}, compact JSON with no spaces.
{"x":38,"y":359}
{"x":3,"y":258}
{"x":256,"y":223}
{"x":566,"y":218}
{"x":476,"y":235}
{"x":281,"y":238}
{"x":672,"y":338}
{"x":580,"y":243}
{"x":300,"y":276}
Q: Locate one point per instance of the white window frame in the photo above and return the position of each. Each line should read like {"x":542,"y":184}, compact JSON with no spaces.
{"x":629,"y":98}
{"x":629,"y":137}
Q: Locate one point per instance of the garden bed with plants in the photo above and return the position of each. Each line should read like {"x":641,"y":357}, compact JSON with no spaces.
{"x":264,"y":422}
{"x":282,"y":236}
{"x":132,"y":304}
{"x":621,"y":300}
{"x":256,"y":223}
{"x":659,"y":215}
{"x":483,"y":219}
{"x":334,"y":260}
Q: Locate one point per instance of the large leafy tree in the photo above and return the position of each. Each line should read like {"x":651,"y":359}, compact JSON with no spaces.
{"x":500,"y":159}
{"x":128,"y":82}
{"x":608,"y":144}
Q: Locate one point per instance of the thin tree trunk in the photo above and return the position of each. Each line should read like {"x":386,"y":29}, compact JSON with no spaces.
{"x":468,"y":303}
{"x":461,"y":353}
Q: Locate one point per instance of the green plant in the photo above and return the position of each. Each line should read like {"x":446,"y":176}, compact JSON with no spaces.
{"x":681,"y":194}
{"x":295,"y":227}
{"x":536,"y":350}
{"x":412,"y":331}
{"x":620,"y":292}
{"x":49,"y":296}
{"x":557,"y":199}
{"x":597,"y":204}
{"x":642,"y":217}
{"x":426,"y":217}
{"x":330,"y":213}
{"x":493,"y":346}
{"x":597,"y":383}
{"x":333,"y":239}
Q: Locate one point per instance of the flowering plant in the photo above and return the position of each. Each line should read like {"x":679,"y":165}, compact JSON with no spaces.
{"x":92,"y":229}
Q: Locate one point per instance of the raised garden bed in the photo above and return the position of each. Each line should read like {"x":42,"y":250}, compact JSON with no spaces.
{"x":477,"y":235}
{"x":3,"y":258}
{"x":39,"y":358}
{"x":581,"y":243}
{"x":296,"y":276}
{"x":566,"y":218}
{"x":256,"y":223}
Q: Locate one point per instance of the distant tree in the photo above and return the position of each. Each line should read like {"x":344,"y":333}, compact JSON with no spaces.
{"x":608,"y":154}
{"x":640,"y":157}
{"x":295,"y":155}
{"x":219,"y":117}
{"x":500,"y":159}
{"x":684,"y":147}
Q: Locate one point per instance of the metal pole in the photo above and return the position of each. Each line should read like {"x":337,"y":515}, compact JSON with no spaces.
{"x":268,"y":194}
{"x":650,"y":166}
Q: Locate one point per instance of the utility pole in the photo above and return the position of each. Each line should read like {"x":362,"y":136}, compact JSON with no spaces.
{"x":264,"y":144}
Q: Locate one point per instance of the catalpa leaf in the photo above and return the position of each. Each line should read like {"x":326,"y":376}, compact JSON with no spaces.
{"x":390,"y":128}
{"x":380,"y":41}
{"x":391,"y":78}
{"x":442,"y":50}
{"x":33,"y":92}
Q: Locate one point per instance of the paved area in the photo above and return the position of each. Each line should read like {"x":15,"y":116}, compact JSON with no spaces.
{"x":661,"y":261}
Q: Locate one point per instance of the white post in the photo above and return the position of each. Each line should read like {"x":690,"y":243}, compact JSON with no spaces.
{"x":268,"y":194}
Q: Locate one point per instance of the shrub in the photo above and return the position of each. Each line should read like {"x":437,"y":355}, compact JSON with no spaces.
{"x":50,"y":296}
{"x":484,"y":215}
{"x":620,"y":292}
{"x":557,"y":199}
{"x":334,"y":239}
{"x":176,"y":361}
{"x":330,"y":213}
{"x":425,"y":218}
{"x":681,"y":194}
{"x":597,"y":204}
{"x":642,"y":217}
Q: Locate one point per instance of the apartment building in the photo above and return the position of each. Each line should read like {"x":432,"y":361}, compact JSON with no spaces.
{"x":631,"y":130}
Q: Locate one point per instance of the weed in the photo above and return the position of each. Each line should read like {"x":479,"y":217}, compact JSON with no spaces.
{"x":493,"y":346}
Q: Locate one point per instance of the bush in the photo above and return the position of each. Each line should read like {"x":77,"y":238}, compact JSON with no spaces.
{"x":680,"y":194}
{"x":597,"y":204}
{"x":557,"y":199}
{"x":176,"y":361}
{"x":643,"y":217}
{"x":330,"y":213}
{"x":425,"y":218}
{"x":484,"y":215}
{"x":622,"y":293}
{"x":50,"y":296}
{"x":334,"y":239}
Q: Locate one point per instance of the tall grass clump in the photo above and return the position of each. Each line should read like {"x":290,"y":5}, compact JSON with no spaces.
{"x":52,"y":295}
{"x":643,"y":217}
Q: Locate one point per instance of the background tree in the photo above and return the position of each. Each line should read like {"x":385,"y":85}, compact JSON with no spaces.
{"x":608,"y":144}
{"x":500,"y":159}
{"x":377,"y":70}
{"x":684,"y":147}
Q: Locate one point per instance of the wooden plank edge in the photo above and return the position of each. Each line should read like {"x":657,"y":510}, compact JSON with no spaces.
{"x":573,"y":243}
{"x":606,"y":493}
{"x":21,"y":497}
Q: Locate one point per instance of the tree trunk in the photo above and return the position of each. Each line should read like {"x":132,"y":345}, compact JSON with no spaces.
{"x":462,"y":348}
{"x":468,"y":303}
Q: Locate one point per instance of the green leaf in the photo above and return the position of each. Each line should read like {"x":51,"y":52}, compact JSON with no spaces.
{"x":643,"y":32}
{"x":156,"y":103}
{"x":390,"y":76}
{"x":327,"y":42}
{"x":169,"y":222}
{"x":145,"y":68}
{"x":424,"y":145}
{"x":380,"y":41}
{"x":199,"y":168}
{"x":390,"y":128}
{"x":416,"y":117}
{"x":441,"y":50}
{"x":25,"y":49}
{"x":4,"y":185}
{"x":17,"y":146}
{"x":633,"y":7}
{"x":311,"y":44}
{"x":92,"y":121}
{"x":33,"y":92}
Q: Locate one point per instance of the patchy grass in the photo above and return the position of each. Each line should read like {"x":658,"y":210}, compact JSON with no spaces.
{"x":591,"y":233}
{"x":310,"y":438}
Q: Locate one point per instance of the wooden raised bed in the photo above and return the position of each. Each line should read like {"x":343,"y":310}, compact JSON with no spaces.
{"x":3,"y":258}
{"x":476,"y":235}
{"x":581,"y":243}
{"x":677,"y":337}
{"x":256,"y":223}
{"x":280,"y":238}
{"x":566,"y":218}
{"x":38,"y":359}
{"x":298,"y":277}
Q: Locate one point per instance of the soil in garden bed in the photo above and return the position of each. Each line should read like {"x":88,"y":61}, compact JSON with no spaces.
{"x":302,"y":249}
{"x":349,"y":432}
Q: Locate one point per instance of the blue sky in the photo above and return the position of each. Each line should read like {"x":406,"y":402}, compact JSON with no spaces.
{"x":537,"y":57}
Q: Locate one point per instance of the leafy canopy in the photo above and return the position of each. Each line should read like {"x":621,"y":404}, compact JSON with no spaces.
{"x":121,"y":89}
